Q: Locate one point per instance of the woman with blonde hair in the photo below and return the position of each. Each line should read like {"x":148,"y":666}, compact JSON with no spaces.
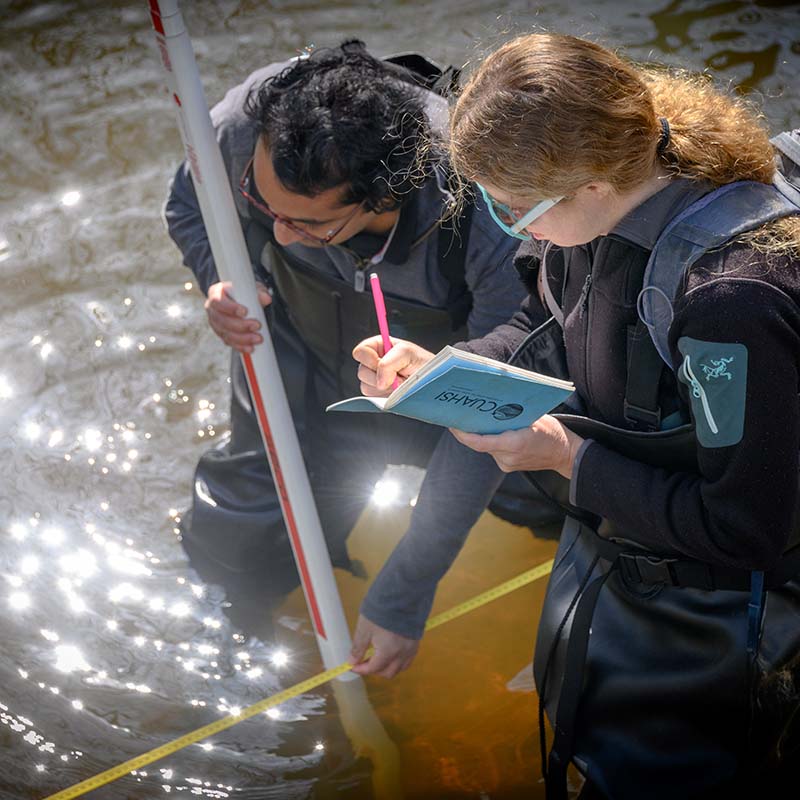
{"x":662,"y":253}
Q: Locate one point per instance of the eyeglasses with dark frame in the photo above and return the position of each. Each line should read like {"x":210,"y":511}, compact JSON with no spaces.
{"x":244,"y":190}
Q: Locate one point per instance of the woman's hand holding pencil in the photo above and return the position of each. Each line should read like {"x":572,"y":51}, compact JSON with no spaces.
{"x":377,"y":372}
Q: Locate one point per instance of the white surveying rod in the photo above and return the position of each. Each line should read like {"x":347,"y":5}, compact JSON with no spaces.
{"x":261,"y":367}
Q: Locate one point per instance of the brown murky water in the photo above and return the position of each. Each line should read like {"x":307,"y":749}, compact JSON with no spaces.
{"x":111,"y":386}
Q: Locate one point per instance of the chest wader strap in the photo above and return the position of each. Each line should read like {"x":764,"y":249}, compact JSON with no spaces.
{"x":554,"y":784}
{"x":570,"y":692}
{"x":256,"y":238}
{"x":452,"y":257}
{"x":755,"y":610}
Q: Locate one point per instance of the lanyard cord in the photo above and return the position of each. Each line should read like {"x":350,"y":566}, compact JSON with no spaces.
{"x":577,"y":514}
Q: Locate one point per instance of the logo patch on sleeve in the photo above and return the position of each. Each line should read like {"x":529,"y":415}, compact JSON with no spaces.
{"x":716,"y":376}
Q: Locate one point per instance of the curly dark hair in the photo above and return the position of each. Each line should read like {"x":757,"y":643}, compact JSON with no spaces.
{"x":341,"y":117}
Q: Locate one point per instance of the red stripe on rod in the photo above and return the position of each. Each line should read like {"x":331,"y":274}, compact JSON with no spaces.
{"x":277,"y":474}
{"x":155,"y":16}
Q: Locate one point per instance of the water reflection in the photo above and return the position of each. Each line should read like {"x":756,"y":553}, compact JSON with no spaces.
{"x":756,"y":35}
{"x":68,"y":657}
{"x":111,"y":385}
{"x":19,"y":601}
{"x":71,"y":198}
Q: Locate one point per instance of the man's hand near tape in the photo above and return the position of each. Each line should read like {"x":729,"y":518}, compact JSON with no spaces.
{"x":391,"y":653}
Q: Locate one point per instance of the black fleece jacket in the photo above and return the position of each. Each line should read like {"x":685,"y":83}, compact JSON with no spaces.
{"x":739,"y":509}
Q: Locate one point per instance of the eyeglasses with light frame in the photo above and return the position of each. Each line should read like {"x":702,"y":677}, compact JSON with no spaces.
{"x":509,"y":220}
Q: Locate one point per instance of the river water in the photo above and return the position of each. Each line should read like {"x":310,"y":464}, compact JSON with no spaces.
{"x":111,"y":385}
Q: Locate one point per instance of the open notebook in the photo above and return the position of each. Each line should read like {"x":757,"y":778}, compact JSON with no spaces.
{"x":468,"y":392}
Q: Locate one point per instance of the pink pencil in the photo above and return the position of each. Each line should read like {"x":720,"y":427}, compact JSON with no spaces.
{"x":380,"y":311}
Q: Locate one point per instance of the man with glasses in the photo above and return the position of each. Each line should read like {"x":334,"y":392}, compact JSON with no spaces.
{"x":336,"y":174}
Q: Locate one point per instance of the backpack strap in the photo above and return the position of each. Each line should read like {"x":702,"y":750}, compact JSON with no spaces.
{"x":641,"y":406}
{"x":709,"y":223}
{"x":552,"y":302}
{"x":420,"y":70}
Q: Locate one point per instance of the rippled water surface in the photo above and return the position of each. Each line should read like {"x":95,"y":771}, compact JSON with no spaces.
{"x":111,"y":386}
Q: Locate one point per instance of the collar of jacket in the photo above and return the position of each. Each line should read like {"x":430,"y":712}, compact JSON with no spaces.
{"x":420,"y":217}
{"x":644,"y":224}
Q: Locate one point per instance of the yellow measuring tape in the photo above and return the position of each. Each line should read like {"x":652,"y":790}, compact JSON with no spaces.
{"x":195,"y":736}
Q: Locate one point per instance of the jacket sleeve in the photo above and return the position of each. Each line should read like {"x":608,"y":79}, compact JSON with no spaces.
{"x":527,"y":315}
{"x":738,"y":511}
{"x":490,"y":275}
{"x":185,"y":226}
{"x":493,"y":275}
{"x":401,"y":595}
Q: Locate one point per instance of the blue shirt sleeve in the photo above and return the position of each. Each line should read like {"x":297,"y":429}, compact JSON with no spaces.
{"x":185,"y":226}
{"x":401,"y":596}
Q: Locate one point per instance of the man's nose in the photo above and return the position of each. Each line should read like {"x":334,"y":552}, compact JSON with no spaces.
{"x":285,"y":235}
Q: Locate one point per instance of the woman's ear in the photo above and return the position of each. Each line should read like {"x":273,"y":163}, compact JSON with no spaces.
{"x":597,"y":189}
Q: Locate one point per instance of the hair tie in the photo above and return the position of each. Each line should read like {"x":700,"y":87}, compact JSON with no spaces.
{"x":663,"y":140}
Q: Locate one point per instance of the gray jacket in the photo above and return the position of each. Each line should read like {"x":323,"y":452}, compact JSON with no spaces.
{"x":401,"y":595}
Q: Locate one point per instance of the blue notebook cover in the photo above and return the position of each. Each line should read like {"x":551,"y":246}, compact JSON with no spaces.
{"x":470,"y":393}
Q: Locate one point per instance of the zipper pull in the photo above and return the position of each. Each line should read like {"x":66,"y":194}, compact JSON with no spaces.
{"x":583,"y":300}
{"x":359,"y":279}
